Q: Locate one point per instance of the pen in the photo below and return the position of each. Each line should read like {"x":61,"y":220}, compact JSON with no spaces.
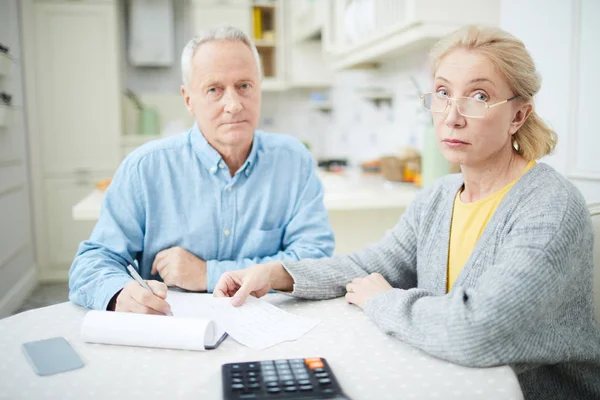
{"x":139,"y":280}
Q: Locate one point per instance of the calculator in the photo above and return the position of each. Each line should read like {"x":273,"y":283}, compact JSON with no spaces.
{"x":297,"y":378}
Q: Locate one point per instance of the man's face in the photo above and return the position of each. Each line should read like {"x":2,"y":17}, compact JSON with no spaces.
{"x":223,"y":93}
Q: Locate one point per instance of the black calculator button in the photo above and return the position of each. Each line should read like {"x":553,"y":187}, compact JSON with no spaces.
{"x":237,"y":380}
{"x":303,"y":376}
{"x":270,"y":378}
{"x":235,"y":366}
{"x":288,"y":383}
{"x":252,"y":380}
{"x":304,"y":382}
{"x":251,"y":373}
{"x":321,"y":375}
{"x":252,"y":366}
{"x":237,"y":386}
{"x":324,"y":381}
{"x":273,"y":390}
{"x":236,"y":374}
{"x":280,"y":362}
{"x":272,"y":384}
{"x":254,"y":386}
{"x":247,"y":396}
{"x":290,"y":388}
{"x":317,"y":370}
{"x":268,"y":367}
{"x":305,"y":388}
{"x":328,"y":391}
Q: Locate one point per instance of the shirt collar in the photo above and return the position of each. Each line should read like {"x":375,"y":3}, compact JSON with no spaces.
{"x":212,"y":160}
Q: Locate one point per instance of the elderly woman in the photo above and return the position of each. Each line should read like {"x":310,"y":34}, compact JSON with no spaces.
{"x":489,"y":267}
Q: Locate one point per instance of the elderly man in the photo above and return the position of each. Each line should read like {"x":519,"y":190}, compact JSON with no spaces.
{"x":221,"y":197}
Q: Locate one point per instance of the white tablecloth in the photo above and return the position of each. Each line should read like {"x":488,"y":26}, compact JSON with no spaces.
{"x":367,"y":363}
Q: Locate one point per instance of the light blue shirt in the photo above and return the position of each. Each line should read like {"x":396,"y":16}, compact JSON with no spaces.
{"x":178,"y":192}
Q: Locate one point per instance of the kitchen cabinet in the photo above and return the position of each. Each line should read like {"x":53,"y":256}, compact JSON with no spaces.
{"x":263,"y":21}
{"x":76,"y":47}
{"x":307,"y":61}
{"x":62,"y":232}
{"x":71,"y":59}
{"x":206,"y":15}
{"x":367,"y":32}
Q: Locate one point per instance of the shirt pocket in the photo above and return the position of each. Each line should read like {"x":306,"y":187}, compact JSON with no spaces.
{"x":261,"y":243}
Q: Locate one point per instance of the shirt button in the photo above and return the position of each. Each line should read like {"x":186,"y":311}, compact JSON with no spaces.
{"x":213,"y":170}
{"x":221,"y":165}
{"x":227,"y":232}
{"x":229,"y":188}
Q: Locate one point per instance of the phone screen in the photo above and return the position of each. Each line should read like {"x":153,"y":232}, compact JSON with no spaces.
{"x":51,"y":356}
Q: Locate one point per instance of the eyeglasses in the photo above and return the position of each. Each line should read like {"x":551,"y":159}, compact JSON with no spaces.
{"x":467,"y":106}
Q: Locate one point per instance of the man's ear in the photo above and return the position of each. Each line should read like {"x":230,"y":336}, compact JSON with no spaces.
{"x":187,"y":100}
{"x":520,"y":117}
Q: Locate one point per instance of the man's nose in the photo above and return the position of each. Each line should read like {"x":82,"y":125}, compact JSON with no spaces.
{"x":233,"y":103}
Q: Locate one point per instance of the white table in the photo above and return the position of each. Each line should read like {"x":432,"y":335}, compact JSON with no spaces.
{"x":367,"y":363}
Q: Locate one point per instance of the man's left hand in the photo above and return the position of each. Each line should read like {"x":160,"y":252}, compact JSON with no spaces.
{"x":178,"y":267}
{"x":362,"y":289}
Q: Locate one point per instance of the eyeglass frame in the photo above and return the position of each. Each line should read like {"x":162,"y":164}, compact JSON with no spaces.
{"x":487,"y":106}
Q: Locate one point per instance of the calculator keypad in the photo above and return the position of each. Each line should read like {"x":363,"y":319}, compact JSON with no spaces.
{"x":299,"y":378}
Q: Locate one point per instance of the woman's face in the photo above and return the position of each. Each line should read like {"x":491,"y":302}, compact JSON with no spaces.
{"x":474,"y":141}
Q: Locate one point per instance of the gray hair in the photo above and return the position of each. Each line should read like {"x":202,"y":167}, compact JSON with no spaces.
{"x":210,"y":35}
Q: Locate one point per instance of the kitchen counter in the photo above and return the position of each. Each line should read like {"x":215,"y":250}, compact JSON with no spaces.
{"x":343,"y":192}
{"x":361,"y":206}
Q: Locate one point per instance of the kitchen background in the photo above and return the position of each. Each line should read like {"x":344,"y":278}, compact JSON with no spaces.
{"x":343,"y":76}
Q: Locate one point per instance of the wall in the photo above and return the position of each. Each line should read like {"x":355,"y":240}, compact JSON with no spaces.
{"x":563,"y":46}
{"x":357,"y":129}
{"x":159,"y":79}
{"x":17,"y":266}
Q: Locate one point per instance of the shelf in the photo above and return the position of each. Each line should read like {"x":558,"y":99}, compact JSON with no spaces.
{"x":263,"y":43}
{"x":377,"y":96}
{"x":5,"y":64}
{"x":265,"y":6}
{"x":393,"y":42}
{"x":310,"y":85}
{"x":272,"y":85}
{"x":324,"y":106}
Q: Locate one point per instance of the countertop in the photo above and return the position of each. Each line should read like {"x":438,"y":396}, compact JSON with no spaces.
{"x":351,"y":190}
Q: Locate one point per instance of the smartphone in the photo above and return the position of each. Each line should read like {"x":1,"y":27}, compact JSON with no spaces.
{"x":51,"y":356}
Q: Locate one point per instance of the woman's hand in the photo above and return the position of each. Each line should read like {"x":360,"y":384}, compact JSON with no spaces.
{"x":257,"y":280}
{"x":362,"y":289}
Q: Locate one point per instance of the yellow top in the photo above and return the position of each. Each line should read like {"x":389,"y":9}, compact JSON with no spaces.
{"x":468,"y":222}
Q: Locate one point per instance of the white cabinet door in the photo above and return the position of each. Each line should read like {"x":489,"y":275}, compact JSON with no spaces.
{"x":77,"y":86}
{"x":63,"y":234}
{"x":210,"y":16}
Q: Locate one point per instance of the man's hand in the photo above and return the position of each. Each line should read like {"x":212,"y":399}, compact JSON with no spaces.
{"x":178,"y":267}
{"x":134,"y":298}
{"x":257,"y":281}
{"x":362,"y":289}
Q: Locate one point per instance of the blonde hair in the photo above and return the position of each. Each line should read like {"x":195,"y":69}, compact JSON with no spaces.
{"x":534,"y":139}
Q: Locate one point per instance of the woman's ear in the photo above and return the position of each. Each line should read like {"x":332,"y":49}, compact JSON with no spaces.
{"x":521,"y":115}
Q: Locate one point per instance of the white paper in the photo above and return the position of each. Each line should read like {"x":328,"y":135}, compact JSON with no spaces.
{"x":257,"y":323}
{"x":131,"y":329}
